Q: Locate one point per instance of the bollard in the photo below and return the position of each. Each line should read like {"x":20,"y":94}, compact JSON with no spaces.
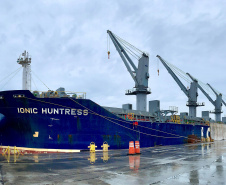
{"x":92,"y":147}
{"x":105,"y":146}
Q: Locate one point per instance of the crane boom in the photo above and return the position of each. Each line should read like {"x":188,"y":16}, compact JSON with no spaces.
{"x":139,"y":74}
{"x":121,"y":51}
{"x":181,"y":85}
{"x":217,"y":103}
{"x":191,"y":93}
{"x":219,"y":96}
{"x":204,"y":92}
{"x":216,"y":93}
{"x":120,"y":48}
{"x":212,"y":89}
{"x":223,"y":102}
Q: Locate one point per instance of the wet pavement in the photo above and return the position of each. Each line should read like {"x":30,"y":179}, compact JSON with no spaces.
{"x":203,"y":163}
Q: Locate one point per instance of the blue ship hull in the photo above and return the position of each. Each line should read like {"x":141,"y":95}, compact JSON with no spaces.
{"x":68,"y":123}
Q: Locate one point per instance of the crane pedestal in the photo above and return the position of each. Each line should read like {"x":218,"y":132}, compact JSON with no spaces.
{"x":141,"y":97}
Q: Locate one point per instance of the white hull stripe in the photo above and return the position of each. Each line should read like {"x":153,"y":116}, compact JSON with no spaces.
{"x":41,"y":149}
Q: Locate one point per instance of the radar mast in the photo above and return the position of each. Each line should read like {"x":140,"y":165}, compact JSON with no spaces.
{"x":25,"y":61}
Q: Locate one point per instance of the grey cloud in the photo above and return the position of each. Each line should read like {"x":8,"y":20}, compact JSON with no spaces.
{"x":68,"y":40}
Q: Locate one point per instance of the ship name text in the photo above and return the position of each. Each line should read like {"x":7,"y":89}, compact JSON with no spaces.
{"x":61,"y":111}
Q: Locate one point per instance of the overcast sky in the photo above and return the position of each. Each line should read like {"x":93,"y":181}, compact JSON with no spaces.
{"x":67,"y":40}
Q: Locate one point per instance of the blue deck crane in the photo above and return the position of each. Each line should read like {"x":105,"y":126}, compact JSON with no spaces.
{"x":139,"y":74}
{"x":217,"y":103}
{"x":191,"y":93}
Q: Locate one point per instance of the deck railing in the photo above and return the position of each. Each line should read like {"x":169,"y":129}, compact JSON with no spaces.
{"x":59,"y":94}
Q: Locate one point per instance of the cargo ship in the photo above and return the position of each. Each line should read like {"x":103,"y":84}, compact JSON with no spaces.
{"x":58,"y":121}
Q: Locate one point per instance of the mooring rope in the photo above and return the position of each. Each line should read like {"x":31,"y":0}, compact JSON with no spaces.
{"x":109,"y":119}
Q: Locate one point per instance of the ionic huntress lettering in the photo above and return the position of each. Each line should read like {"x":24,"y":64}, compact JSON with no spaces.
{"x":61,"y":111}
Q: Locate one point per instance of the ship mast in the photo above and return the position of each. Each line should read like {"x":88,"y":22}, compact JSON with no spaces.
{"x":25,"y":61}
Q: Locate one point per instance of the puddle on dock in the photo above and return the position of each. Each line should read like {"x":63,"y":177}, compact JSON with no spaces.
{"x":202,"y":163}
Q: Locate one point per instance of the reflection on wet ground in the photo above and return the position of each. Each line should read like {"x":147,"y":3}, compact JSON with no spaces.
{"x":202,"y":163}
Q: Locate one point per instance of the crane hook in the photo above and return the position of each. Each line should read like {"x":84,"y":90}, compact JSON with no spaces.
{"x":108,"y":54}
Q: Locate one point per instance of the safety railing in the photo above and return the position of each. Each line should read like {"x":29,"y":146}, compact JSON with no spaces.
{"x":59,"y":94}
